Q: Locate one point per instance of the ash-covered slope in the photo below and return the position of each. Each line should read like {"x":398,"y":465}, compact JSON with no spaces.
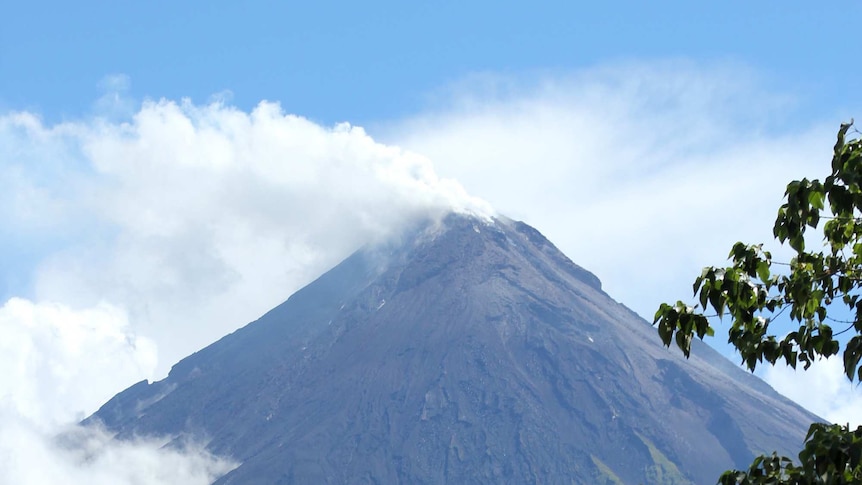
{"x":469,"y":352}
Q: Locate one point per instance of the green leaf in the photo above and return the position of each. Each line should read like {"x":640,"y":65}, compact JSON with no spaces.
{"x":815,"y":198}
{"x":665,"y":332}
{"x":716,"y":299}
{"x":763,"y":271}
{"x":852,"y":355}
{"x":683,"y":341}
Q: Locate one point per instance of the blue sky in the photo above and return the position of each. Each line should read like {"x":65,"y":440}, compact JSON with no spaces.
{"x":172,"y":170}
{"x":366,"y":62}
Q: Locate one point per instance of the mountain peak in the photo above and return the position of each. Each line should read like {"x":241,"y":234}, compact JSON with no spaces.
{"x":477,"y":241}
{"x":465,"y":350}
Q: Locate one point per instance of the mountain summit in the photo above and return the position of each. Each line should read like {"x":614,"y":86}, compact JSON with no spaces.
{"x":468,"y":351}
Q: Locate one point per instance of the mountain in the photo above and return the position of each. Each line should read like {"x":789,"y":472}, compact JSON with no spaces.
{"x":467,"y":351}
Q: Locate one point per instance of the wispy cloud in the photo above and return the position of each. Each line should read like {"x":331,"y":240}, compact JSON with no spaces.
{"x":58,"y":365}
{"x":642,"y":173}
{"x":823,"y":389}
{"x":89,"y":456}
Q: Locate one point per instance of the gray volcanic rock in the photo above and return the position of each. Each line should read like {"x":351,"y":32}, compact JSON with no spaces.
{"x":467,"y":352}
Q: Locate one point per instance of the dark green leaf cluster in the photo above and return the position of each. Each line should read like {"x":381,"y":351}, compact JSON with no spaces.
{"x":816,"y":283}
{"x":832,"y":456}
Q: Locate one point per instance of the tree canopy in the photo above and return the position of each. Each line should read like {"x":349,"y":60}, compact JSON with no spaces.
{"x":811,"y":289}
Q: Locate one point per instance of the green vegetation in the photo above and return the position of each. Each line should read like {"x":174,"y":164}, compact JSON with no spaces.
{"x":606,"y":475}
{"x":663,"y":471}
{"x":812,"y":288}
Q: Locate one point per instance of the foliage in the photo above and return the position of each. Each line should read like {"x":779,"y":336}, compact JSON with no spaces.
{"x":812,"y":287}
{"x":831,"y":455}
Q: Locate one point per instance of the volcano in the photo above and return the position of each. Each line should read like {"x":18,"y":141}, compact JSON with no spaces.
{"x":466,"y":351}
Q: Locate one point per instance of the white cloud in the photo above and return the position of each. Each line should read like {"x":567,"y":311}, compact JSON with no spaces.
{"x":642,"y":174}
{"x":59,"y":364}
{"x":88,"y":456}
{"x":115,"y":102}
{"x":197,"y":219}
{"x":823,"y":389}
{"x":78,"y":358}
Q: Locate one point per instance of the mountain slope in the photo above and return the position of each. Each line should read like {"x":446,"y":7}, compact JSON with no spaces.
{"x":467,"y":352}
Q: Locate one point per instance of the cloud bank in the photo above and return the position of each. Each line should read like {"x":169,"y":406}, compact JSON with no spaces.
{"x":138,"y":242}
{"x":202,"y":214}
